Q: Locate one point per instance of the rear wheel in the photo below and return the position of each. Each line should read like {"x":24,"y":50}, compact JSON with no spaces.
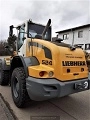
{"x":4,"y":77}
{"x":18,"y":87}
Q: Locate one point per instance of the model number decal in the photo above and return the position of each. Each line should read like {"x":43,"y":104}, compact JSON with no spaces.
{"x":46,"y":62}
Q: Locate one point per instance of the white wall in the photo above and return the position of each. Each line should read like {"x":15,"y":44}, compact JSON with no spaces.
{"x":85,"y":39}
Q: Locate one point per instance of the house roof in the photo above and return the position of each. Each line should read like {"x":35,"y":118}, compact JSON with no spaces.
{"x":72,"y":29}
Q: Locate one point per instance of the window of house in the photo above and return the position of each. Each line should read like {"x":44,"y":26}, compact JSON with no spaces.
{"x":80,"y":34}
{"x":87,"y":46}
{"x":65,"y":36}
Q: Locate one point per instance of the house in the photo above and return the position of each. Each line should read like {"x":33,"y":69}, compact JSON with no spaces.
{"x":54,"y":39}
{"x":77,"y":35}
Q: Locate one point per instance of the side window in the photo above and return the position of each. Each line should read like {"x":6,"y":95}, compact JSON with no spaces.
{"x":80,"y":34}
{"x":65,"y":36}
{"x":46,"y":36}
{"x":21,"y":35}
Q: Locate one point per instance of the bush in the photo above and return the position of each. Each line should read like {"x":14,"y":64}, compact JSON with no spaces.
{"x":3,"y":51}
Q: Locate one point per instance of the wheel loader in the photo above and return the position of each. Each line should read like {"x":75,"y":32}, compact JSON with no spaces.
{"x":43,"y":69}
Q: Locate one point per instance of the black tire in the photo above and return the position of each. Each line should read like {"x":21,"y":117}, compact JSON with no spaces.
{"x":18,"y":87}
{"x":4,"y":77}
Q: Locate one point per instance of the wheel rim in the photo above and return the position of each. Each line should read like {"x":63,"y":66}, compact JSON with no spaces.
{"x":16,"y":87}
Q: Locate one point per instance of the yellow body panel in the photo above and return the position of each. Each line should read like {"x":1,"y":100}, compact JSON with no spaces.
{"x":59,"y":54}
{"x":35,"y":70}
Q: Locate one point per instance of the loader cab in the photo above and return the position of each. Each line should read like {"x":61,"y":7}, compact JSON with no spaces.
{"x":34,"y":31}
{"x":31,"y":30}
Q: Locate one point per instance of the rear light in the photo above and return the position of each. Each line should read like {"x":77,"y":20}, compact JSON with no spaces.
{"x":42,"y":73}
{"x":46,"y":74}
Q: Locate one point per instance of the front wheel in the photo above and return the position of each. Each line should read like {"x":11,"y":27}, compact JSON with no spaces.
{"x":18,"y":87}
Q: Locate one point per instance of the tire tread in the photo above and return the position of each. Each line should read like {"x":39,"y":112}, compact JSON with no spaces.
{"x":4,"y":78}
{"x":24,"y":94}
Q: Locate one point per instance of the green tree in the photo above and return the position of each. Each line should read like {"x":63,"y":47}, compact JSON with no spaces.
{"x":11,"y":41}
{"x":3,"y":51}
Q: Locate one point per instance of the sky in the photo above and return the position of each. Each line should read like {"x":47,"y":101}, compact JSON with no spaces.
{"x":63,"y":13}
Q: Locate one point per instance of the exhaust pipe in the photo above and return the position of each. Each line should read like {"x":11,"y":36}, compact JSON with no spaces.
{"x":46,"y":27}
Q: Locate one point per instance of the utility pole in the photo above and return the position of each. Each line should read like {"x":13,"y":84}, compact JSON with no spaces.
{"x":73,"y":37}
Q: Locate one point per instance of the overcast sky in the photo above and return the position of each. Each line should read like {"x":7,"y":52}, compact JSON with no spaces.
{"x":64,"y":13}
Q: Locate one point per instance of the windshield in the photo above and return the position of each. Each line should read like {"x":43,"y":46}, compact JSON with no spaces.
{"x":37,"y":29}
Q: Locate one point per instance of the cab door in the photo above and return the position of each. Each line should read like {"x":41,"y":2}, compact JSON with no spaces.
{"x":21,"y":41}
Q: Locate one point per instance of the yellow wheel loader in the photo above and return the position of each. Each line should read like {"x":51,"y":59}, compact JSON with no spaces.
{"x":43,"y":69}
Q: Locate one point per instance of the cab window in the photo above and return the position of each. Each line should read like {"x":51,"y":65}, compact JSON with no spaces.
{"x":21,"y":36}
